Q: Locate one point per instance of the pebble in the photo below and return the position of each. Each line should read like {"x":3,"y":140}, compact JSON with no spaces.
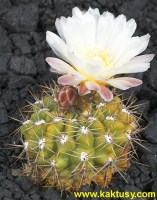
{"x":137,"y":180}
{"x":23,"y":93}
{"x":40,"y":63}
{"x":130,"y":188}
{"x":3,"y":116}
{"x":134,"y":172}
{"x":102,"y":2}
{"x":128,"y":8}
{"x":142,"y":178}
{"x":23,"y":65}
{"x":51,"y":194}
{"x":153,"y":74}
{"x":5,"y":4}
{"x":4,"y":130}
{"x":18,"y":2}
{"x":150,"y":133}
{"x":4,"y":60}
{"x":16,"y":172}
{"x":152,"y":14}
{"x":35,"y":197}
{"x":143,"y":106}
{"x":26,"y":198}
{"x":150,"y":160}
{"x":19,"y":81}
{"x":5,"y":45}
{"x":37,"y":38}
{"x":148,"y":94}
{"x":1,"y":193}
{"x":2,"y":31}
{"x":147,"y":147}
{"x":24,"y":183}
{"x":21,"y":41}
{"x":22,"y":18}
{"x":154,"y":186}
{"x":13,"y":188}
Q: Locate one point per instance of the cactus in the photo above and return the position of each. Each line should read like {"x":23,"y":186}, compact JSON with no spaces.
{"x":85,"y":144}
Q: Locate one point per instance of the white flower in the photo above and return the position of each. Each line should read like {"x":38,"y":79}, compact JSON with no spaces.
{"x":95,"y":48}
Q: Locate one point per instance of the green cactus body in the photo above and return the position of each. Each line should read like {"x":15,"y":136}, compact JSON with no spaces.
{"x":81,"y":146}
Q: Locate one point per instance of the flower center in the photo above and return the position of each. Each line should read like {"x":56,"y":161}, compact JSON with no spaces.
{"x":99,"y":53}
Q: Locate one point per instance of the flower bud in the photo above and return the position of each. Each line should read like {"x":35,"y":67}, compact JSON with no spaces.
{"x":67,"y":96}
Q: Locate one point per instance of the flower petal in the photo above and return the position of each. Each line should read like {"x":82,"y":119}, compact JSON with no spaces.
{"x":132,"y":68}
{"x":131,"y":25}
{"x":137,"y":64}
{"x":106,"y":21}
{"x":132,"y":49}
{"x":95,"y":12}
{"x":92,"y":86}
{"x":82,"y":89}
{"x":68,"y":80}
{"x":77,"y":75}
{"x":94,"y":68}
{"x":143,"y":43}
{"x":143,"y":58}
{"x":120,"y":49}
{"x":75,"y":61}
{"x":55,"y":71}
{"x":105,"y":93}
{"x":118,"y":27}
{"x":80,"y":29}
{"x":124,"y":83}
{"x":59,"y":24}
{"x":77,"y":12}
{"x":58,"y":45}
{"x":59,"y":65}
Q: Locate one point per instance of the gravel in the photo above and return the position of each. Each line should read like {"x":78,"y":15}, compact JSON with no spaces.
{"x":4,"y":60}
{"x":20,"y":41}
{"x":23,"y":50}
{"x":22,"y":65}
{"x":22,"y":18}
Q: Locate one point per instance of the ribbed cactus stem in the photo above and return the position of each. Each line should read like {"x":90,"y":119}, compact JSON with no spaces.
{"x":90,"y":142}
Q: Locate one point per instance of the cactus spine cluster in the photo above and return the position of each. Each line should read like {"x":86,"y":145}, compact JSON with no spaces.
{"x":85,"y":144}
